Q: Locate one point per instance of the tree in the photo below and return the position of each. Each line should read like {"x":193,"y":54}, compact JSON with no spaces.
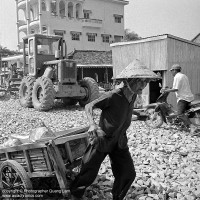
{"x":130,"y":35}
{"x":6,"y":52}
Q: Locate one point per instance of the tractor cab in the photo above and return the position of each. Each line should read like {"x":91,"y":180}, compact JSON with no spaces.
{"x":40,"y":48}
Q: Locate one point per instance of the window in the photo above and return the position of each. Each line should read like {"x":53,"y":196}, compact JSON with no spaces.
{"x":53,"y":7}
{"x":31,"y":47}
{"x":118,"y":38}
{"x":91,"y":37}
{"x":43,"y":5}
{"x":75,"y":35}
{"x":86,"y":14}
{"x":59,"y":32}
{"x":62,"y":9}
{"x":44,"y":30}
{"x":105,"y":38}
{"x":78,"y":10}
{"x":70,"y":10}
{"x":47,"y":46}
{"x":118,"y":18}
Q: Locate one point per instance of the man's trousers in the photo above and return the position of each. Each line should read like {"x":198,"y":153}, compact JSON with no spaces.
{"x":122,"y":167}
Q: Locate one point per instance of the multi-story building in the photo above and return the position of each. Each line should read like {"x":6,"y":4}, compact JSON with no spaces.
{"x":85,"y":24}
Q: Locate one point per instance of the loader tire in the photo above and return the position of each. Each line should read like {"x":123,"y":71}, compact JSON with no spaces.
{"x":25,"y":91}
{"x":43,"y":94}
{"x":92,"y":90}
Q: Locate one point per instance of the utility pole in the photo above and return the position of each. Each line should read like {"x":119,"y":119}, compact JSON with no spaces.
{"x":0,"y":70}
{"x":0,"y":64}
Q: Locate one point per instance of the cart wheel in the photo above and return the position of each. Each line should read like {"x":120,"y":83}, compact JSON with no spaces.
{"x":14,"y":177}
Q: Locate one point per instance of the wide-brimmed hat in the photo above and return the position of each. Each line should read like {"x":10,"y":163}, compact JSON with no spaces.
{"x":136,"y":69}
{"x":175,"y":66}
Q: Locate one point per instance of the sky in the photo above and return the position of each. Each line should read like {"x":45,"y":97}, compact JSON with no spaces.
{"x":147,"y":18}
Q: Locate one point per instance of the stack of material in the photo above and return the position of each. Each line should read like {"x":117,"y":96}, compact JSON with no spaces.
{"x":34,"y":135}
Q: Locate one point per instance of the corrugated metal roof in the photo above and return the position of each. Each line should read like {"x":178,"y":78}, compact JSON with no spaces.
{"x":94,"y":66}
{"x":154,"y":38}
{"x":198,"y":35}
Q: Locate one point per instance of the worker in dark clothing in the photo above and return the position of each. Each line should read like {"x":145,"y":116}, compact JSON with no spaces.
{"x":109,"y":137}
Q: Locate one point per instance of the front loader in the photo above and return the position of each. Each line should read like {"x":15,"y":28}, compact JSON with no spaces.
{"x":49,"y":75}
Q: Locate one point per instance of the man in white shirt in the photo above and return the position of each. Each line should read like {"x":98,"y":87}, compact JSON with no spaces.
{"x":184,"y":96}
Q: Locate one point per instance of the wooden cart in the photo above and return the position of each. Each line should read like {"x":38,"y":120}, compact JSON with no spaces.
{"x":52,"y":158}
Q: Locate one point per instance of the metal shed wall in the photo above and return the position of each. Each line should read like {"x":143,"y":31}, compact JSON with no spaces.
{"x":153,"y":53}
{"x":160,"y":53}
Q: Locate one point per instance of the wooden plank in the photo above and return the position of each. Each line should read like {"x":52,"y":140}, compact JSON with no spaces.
{"x":37,"y":151}
{"x":7,"y":155}
{"x":40,"y":169}
{"x":72,"y":131}
{"x":58,"y":165}
{"x":66,"y":133}
{"x":64,"y":138}
{"x":48,"y":162}
{"x":41,"y":162}
{"x":68,"y":151}
{"x":37,"y":158}
{"x":71,"y":137}
{"x":22,"y":147}
{"x":13,"y":157}
{"x":41,"y":174}
{"x":40,"y":143}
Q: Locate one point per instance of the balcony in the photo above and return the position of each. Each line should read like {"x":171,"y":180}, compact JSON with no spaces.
{"x":122,"y":1}
{"x":35,"y":23}
{"x":21,"y":4}
{"x":96,"y":23}
{"x":21,"y":23}
{"x":23,"y":28}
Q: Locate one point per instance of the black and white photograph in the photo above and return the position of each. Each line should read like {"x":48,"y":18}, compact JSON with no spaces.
{"x":100,"y":99}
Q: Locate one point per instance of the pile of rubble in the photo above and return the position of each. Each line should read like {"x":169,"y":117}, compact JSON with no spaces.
{"x":167,"y":161}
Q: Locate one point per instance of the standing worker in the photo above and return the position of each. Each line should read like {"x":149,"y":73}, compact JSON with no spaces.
{"x":181,"y":87}
{"x":109,"y":137}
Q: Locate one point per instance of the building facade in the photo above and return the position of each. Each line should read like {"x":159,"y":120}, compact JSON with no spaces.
{"x":85,"y":24}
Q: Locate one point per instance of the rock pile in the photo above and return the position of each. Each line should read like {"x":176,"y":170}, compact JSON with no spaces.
{"x":167,"y":161}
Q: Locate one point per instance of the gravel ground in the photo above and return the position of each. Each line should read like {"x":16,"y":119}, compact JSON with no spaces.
{"x":167,"y":161}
